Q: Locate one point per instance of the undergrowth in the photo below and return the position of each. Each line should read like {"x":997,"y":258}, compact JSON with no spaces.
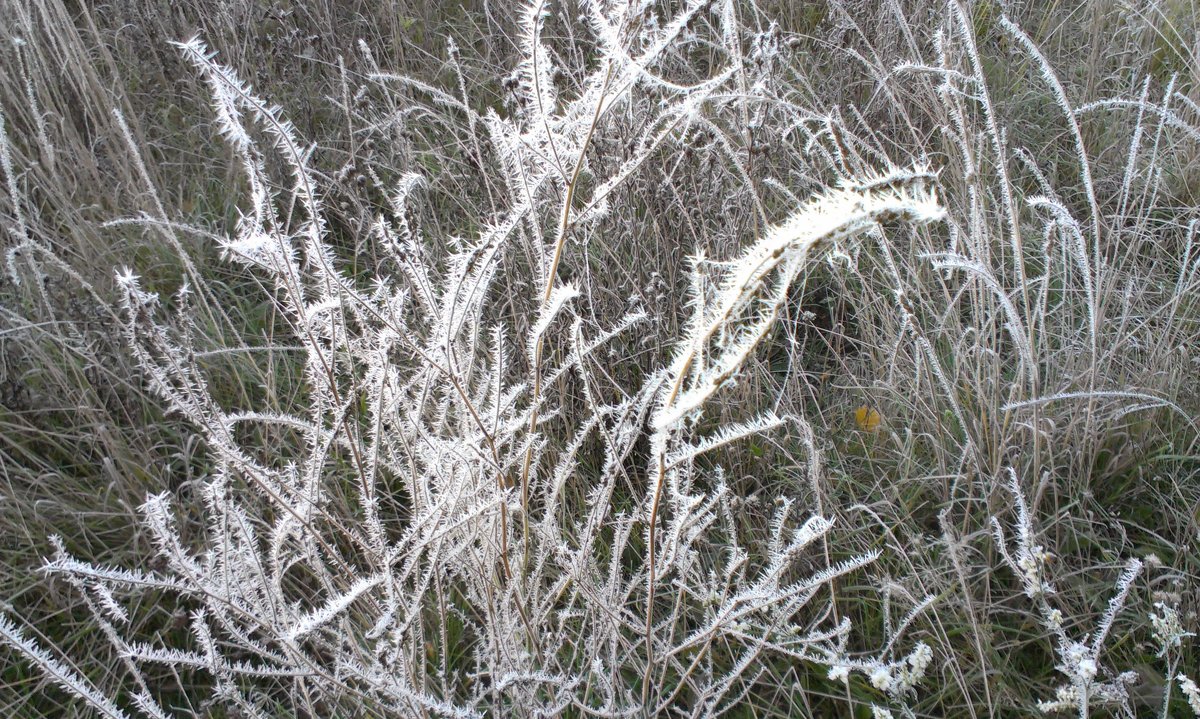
{"x":660,"y":359}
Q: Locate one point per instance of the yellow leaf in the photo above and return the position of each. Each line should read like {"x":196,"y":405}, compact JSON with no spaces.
{"x":867,"y":419}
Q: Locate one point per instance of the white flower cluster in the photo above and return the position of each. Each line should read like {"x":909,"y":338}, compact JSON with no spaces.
{"x":1080,"y":664}
{"x":1065,"y":699}
{"x":1191,"y":691}
{"x":899,"y":678}
{"x":1078,"y":660}
{"x":1029,"y":560}
{"x":1032,"y":562}
{"x":1168,"y":631}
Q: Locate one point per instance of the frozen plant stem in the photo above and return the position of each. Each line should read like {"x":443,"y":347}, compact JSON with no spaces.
{"x":752,"y":292}
{"x":564,"y":226}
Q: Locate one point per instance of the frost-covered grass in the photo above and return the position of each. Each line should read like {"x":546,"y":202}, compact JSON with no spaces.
{"x":656,"y":358}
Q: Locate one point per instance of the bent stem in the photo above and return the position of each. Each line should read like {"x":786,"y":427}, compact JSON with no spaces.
{"x":748,"y":305}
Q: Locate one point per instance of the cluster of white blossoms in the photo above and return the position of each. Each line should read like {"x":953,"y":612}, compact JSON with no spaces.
{"x":1191,"y":691}
{"x":1066,"y":699}
{"x":899,"y":678}
{"x":1069,"y":697}
{"x":1032,"y":562}
{"x":1079,"y":660}
{"x":1080,"y":663}
{"x":1168,"y":631}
